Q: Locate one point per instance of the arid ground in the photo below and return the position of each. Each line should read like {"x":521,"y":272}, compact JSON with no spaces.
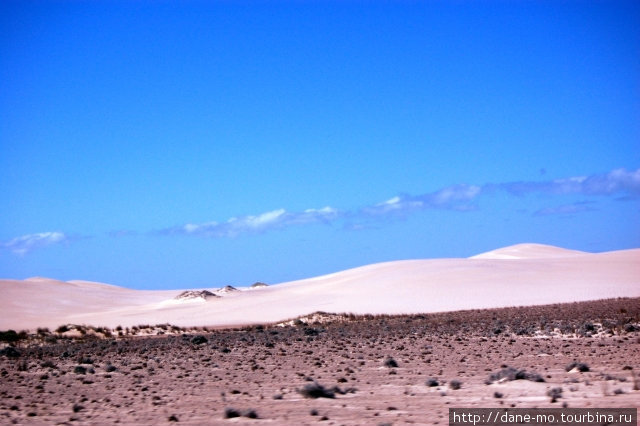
{"x":332,"y":369}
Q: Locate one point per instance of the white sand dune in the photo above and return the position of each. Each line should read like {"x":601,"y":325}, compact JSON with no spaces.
{"x":521,"y":275}
{"x":528,"y":251}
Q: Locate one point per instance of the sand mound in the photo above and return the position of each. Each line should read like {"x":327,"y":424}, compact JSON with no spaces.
{"x":226,"y":290}
{"x":528,"y":251}
{"x":533,"y":275}
{"x":195,"y":294}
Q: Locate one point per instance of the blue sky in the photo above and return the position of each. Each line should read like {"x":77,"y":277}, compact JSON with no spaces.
{"x":190,"y":144}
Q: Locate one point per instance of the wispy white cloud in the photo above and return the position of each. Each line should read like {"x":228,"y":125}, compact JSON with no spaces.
{"x":566,"y":209}
{"x":398,"y":204}
{"x":26,"y":243}
{"x":618,"y":181}
{"x":462,"y":197}
{"x":456,"y":197}
{"x":275,"y":219}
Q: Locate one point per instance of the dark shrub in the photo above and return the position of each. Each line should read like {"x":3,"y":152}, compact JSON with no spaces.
{"x":390,"y":362}
{"x":510,"y":373}
{"x":555,"y":394}
{"x":455,"y":384}
{"x":9,"y":336}
{"x":535,"y":377}
{"x":10,"y":352}
{"x":230,"y":413}
{"x":198,"y":340}
{"x":339,"y":391}
{"x":581,"y":367}
{"x":316,"y":390}
{"x":48,"y":364}
{"x":432,"y":382}
{"x":250,"y":414}
{"x":80,"y":369}
{"x":309,"y":331}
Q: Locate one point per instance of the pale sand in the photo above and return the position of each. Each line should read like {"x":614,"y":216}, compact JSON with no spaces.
{"x":521,"y":275}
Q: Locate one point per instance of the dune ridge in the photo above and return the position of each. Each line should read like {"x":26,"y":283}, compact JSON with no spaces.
{"x":520,"y":275}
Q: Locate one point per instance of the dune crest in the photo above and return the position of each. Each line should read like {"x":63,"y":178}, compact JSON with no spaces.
{"x":528,"y":251}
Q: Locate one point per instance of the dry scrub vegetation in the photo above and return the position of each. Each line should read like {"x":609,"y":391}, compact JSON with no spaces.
{"x":334,"y":369}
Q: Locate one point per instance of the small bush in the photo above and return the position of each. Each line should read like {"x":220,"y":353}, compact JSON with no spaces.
{"x":199,"y":340}
{"x":432,"y":382}
{"x":510,"y":373}
{"x":455,"y":384}
{"x":390,"y":362}
{"x":581,"y":367}
{"x":555,"y":394}
{"x":310,"y":331}
{"x":9,"y":336}
{"x":316,"y":390}
{"x":10,"y":352}
{"x":48,"y":364}
{"x":230,"y":413}
{"x":250,"y":414}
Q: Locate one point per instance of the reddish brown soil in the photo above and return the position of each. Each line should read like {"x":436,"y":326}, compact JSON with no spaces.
{"x":160,"y":379}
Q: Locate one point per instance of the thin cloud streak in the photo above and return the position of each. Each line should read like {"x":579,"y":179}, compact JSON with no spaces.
{"x":455,"y":197}
{"x":566,"y":209}
{"x":26,"y":243}
{"x":462,"y":197}
{"x":615,"y":182}
{"x":252,"y":224}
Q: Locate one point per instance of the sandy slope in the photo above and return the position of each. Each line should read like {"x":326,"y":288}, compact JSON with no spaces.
{"x":525,"y":274}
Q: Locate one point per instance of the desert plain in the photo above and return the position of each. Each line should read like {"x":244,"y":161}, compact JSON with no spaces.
{"x":391,"y":343}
